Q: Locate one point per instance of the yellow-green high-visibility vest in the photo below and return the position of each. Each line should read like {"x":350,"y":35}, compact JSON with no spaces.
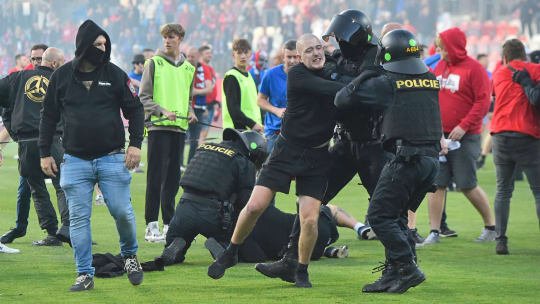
{"x":248,"y":99}
{"x":172,"y":85}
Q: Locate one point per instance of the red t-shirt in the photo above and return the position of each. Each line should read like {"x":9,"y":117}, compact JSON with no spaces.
{"x":513,"y":111}
{"x":213,"y":95}
{"x":202,"y":73}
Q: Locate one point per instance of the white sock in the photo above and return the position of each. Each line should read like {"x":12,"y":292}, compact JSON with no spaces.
{"x":357,"y":226}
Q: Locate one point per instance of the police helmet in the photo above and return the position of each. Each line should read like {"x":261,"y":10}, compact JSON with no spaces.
{"x":351,"y":26}
{"x":253,"y":141}
{"x":399,"y":53}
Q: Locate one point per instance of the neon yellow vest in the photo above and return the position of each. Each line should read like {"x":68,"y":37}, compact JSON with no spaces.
{"x":248,"y":99}
{"x":171,"y":89}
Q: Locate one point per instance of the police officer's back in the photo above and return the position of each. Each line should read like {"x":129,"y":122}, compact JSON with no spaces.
{"x":412,"y":131}
{"x":217,"y":184}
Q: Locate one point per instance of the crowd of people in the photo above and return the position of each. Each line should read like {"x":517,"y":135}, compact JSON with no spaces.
{"x":406,"y":120}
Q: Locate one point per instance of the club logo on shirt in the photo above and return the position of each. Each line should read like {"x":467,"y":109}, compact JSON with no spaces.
{"x":36,"y":88}
{"x":451,"y":83}
{"x":104,"y":84}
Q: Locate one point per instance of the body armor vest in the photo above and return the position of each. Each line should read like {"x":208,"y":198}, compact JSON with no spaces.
{"x":414,"y":115}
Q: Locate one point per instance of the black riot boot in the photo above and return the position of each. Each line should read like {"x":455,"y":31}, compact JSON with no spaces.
{"x":389,"y":275}
{"x":283,"y":269}
{"x":227,"y":259}
{"x":410,"y":275}
{"x":172,"y":254}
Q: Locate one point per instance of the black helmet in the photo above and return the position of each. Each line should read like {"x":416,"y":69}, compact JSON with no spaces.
{"x":399,"y":53}
{"x":253,"y":141}
{"x":352,"y":26}
{"x":535,"y":56}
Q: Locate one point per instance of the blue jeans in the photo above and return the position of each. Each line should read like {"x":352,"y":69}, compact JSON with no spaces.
{"x":78,"y":177}
{"x":270,"y":140}
{"x":23,"y":204}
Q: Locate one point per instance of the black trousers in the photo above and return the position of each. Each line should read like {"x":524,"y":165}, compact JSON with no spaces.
{"x":402,"y":186}
{"x":165,"y":149}
{"x":30,"y":168}
{"x":192,"y":218}
{"x":350,"y":158}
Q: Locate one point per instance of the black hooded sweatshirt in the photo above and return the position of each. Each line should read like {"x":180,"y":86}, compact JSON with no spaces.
{"x":92,"y":120}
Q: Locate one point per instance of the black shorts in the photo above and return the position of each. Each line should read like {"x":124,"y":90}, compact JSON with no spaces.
{"x":287,"y":161}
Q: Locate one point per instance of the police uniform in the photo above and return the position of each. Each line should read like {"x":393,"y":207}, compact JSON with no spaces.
{"x":357,"y":148}
{"x":22,"y":94}
{"x":411,"y":131}
{"x":217,"y":183}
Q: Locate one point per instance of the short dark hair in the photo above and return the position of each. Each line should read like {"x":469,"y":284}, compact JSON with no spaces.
{"x":514,"y":49}
{"x":241,"y":44}
{"x":290,"y":45}
{"x":18,"y":56}
{"x":204,"y":48}
{"x":480,"y":56}
{"x":39,"y":46}
{"x":147,"y":50}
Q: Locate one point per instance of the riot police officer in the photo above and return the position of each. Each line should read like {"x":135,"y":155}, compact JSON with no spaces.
{"x":357,"y":148}
{"x":217,"y":181}
{"x":412,"y":132}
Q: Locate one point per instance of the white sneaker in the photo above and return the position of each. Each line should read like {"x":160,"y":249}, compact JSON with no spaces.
{"x":152,"y":234}
{"x":165,"y":230}
{"x":432,"y":238}
{"x":486,"y":236}
{"x":6,"y":249}
{"x":100,"y":200}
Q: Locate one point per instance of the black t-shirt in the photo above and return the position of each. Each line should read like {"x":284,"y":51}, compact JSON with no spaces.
{"x":310,"y":116}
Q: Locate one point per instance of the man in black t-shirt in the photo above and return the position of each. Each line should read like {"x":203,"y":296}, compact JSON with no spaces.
{"x":299,"y":153}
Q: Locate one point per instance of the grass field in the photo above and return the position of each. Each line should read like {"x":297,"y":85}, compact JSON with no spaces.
{"x":458,"y":270}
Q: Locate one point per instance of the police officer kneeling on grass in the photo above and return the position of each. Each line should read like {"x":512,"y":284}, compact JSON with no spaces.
{"x":217,"y":184}
{"x":412,"y":131}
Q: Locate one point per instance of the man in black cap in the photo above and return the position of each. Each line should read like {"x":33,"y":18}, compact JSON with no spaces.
{"x":88,"y":93}
{"x":22,"y":94}
{"x":412,"y":132}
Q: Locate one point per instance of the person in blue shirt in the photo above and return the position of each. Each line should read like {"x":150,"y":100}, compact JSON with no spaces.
{"x":273,"y":93}
{"x":136,"y":74}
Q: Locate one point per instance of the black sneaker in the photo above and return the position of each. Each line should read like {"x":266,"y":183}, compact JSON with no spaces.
{"x":50,"y":240}
{"x":12,"y":234}
{"x":172,"y":253}
{"x":502,"y":246}
{"x":447,"y":232}
{"x":215,"y":247}
{"x":409,"y":275}
{"x":302,"y":279}
{"x":382,"y":284}
{"x":225,"y":260}
{"x":84,"y":282}
{"x":133,"y":269}
{"x":283,"y":269}
{"x":418,"y":239}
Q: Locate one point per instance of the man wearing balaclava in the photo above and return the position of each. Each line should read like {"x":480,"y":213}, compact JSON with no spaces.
{"x":89,"y":92}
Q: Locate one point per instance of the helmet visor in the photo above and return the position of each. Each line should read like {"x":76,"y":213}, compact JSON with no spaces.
{"x":412,"y":65}
{"x":341,"y":28}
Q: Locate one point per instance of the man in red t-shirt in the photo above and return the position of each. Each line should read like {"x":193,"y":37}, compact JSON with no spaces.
{"x":464,"y":100}
{"x":20,"y":62}
{"x":212,"y":105}
{"x":515,"y":127}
